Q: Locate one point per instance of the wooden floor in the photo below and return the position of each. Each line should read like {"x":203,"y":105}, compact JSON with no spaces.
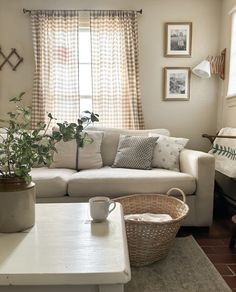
{"x":215,"y":243}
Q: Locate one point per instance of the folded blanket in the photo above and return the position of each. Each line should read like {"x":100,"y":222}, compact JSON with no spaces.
{"x":224,"y":150}
{"x":149,"y":217}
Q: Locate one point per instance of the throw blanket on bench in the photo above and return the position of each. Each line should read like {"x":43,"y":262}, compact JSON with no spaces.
{"x":224,"y":150}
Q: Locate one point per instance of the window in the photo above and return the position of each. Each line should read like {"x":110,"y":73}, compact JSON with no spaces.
{"x":85,"y":74}
{"x":232,"y":68}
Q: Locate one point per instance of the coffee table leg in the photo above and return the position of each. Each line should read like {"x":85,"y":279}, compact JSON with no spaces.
{"x":111,"y":288}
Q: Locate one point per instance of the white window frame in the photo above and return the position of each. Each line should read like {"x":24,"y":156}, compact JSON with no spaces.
{"x":231,"y":92}
{"x":83,"y":96}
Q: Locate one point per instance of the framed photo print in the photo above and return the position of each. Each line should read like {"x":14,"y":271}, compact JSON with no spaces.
{"x":176,"y":83}
{"x":178,"y":39}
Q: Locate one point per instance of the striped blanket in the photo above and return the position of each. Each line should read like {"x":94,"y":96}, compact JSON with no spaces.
{"x":224,"y":150}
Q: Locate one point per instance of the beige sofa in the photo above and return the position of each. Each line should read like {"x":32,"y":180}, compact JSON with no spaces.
{"x":196,"y":179}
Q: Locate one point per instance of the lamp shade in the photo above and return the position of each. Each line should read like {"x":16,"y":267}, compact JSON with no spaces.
{"x":203,"y":69}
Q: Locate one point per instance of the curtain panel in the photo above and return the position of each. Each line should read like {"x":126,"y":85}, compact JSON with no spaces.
{"x":55,"y":43}
{"x":115,"y":68}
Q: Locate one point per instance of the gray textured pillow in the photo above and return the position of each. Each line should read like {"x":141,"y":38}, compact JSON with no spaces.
{"x":135,"y":152}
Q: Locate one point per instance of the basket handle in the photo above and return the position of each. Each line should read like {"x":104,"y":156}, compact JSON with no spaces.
{"x":178,"y":190}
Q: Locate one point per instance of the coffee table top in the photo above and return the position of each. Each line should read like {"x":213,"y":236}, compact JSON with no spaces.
{"x":65,"y":247}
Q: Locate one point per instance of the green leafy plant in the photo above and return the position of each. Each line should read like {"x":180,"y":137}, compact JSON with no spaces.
{"x":22,"y":148}
{"x":224,"y":151}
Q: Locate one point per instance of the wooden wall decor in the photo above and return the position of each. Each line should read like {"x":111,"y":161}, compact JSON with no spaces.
{"x":6,"y":59}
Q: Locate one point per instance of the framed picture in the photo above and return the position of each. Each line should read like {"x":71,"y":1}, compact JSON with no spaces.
{"x":176,"y":83}
{"x":178,"y":39}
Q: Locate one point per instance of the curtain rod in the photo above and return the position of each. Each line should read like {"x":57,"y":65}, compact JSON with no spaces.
{"x":138,"y":11}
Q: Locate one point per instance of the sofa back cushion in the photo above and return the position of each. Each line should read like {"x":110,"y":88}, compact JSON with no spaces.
{"x":111,"y":140}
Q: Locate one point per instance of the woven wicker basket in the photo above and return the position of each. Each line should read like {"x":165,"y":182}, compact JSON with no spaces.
{"x":150,"y":241}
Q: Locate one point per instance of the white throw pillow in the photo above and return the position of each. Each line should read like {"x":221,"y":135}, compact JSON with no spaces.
{"x":88,"y":157}
{"x":167,"y":150}
{"x":65,"y":157}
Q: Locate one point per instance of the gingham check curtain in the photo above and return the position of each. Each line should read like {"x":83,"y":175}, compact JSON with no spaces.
{"x":115,"y":69}
{"x":56,"y":87}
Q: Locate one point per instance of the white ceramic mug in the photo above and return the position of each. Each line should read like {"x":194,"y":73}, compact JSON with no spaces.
{"x":100,"y":208}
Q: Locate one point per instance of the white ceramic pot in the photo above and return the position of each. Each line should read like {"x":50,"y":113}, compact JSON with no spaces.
{"x":17,"y":206}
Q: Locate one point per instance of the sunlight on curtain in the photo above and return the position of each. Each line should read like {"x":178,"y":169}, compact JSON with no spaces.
{"x":56,"y":43}
{"x":115,"y":70}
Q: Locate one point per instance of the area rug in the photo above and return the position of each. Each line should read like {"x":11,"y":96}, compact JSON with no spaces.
{"x":185,"y":269}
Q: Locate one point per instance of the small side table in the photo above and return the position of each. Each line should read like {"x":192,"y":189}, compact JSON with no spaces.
{"x":233,"y":237}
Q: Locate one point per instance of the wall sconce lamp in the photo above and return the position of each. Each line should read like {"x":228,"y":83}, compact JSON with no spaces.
{"x":212,"y":65}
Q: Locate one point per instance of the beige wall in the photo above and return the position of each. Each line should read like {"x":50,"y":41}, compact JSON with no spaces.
{"x":186,"y":118}
{"x":226,"y":106}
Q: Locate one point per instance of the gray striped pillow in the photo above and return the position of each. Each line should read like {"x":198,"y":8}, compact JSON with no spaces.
{"x":135,"y":152}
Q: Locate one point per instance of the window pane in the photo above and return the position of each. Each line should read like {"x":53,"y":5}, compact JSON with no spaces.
{"x":84,"y":46}
{"x":85,"y":104}
{"x":85,"y":79}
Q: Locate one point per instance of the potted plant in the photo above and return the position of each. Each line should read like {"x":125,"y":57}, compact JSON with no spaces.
{"x":22,"y":148}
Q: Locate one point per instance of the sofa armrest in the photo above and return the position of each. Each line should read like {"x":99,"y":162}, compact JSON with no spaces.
{"x":202,"y":167}
{"x":196,"y":162}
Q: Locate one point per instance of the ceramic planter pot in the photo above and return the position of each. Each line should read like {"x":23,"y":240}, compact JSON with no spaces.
{"x":17,"y":205}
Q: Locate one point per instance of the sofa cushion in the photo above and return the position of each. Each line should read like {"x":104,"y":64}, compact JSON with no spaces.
{"x":167,"y":150}
{"x":134,"y":152}
{"x":112,"y":182}
{"x":51,"y":182}
{"x":111,"y":140}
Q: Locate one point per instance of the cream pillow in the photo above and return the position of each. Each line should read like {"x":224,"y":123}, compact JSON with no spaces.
{"x":166,"y":151}
{"x":88,"y":157}
{"x":65,"y":157}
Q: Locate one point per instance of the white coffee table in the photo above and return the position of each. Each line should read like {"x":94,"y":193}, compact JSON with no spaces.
{"x":66,"y":252}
